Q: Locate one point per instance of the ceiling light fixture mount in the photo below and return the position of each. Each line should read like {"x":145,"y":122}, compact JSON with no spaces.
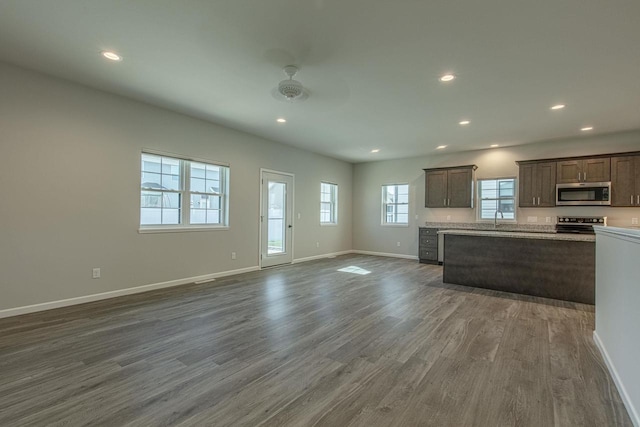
{"x":375,"y":150}
{"x":290,"y":89}
{"x":558,"y":107}
{"x":112,"y":56}
{"x":586,"y":128}
{"x":440,"y":147}
{"x":464,"y":122}
{"x":494,"y":145}
{"x":281,"y":120}
{"x":447,"y":77}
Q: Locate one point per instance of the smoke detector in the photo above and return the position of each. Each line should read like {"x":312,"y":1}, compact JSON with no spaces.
{"x":291,"y":89}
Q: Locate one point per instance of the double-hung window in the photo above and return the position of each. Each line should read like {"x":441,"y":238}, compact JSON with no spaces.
{"x":395,"y":204}
{"x":328,"y":203}
{"x":177,"y":192}
{"x":495,"y":196}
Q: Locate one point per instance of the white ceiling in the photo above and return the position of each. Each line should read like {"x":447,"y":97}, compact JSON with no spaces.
{"x":371,"y":66}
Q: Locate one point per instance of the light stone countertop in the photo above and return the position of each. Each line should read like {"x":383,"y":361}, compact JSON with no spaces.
{"x":522,"y":235}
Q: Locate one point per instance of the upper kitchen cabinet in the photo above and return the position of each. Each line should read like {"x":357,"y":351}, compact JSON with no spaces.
{"x":449,"y":187}
{"x":537,"y":184}
{"x":625,"y":181}
{"x":597,"y":169}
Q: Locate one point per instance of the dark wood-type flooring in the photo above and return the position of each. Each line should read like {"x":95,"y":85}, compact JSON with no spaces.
{"x":307,"y":345}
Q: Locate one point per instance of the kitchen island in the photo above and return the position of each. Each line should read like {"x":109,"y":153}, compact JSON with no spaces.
{"x":550,"y":265}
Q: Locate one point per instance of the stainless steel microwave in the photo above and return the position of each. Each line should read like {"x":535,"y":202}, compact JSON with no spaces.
{"x":583,"y":194}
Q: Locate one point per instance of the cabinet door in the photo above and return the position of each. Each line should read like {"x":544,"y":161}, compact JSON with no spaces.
{"x":568,"y":171}
{"x":546,"y":184}
{"x":435,"y":189}
{"x":596,"y":170}
{"x":624,"y":175}
{"x":526,"y":185}
{"x":459,"y":188}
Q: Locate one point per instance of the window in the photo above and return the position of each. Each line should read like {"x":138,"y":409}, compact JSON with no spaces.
{"x":395,"y":204}
{"x":328,"y":203}
{"x":497,"y":195}
{"x":180,"y":193}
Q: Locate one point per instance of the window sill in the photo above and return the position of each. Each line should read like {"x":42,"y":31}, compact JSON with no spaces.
{"x":328,"y":224}
{"x":394,"y":225}
{"x":151,"y":230}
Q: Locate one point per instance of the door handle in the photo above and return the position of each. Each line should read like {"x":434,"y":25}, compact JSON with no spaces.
{"x":534,"y":200}
{"x":578,"y":176}
{"x":638,"y":200}
{"x":538,"y":201}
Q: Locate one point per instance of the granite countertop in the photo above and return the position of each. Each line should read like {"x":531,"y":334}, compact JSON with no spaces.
{"x":521,"y":234}
{"x":530,"y":228}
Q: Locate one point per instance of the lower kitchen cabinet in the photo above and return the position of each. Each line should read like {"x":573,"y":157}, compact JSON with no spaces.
{"x":428,"y":245}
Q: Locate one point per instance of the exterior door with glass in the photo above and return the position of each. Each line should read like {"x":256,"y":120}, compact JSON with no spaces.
{"x":276,"y":226}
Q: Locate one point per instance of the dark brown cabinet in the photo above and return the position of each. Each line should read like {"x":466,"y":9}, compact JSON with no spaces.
{"x":537,"y":184}
{"x":449,"y":187}
{"x":597,"y":169}
{"x":625,"y":181}
{"x":428,"y":245}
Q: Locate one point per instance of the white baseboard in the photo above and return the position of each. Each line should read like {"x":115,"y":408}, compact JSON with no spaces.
{"x":311,"y":258}
{"x":120,"y":292}
{"x":414,"y":257}
{"x":633,"y":413}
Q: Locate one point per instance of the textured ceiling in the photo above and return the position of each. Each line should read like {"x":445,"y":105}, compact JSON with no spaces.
{"x":371,"y":66}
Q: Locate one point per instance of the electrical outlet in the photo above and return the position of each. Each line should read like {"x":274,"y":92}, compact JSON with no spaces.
{"x":532,"y":219}
{"x":96,"y":273}
{"x":634,"y":221}
{"x":398,"y":244}
{"x":233,"y":255}
{"x":317,"y":244}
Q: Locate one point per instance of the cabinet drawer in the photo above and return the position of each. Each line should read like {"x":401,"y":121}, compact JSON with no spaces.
{"x":428,"y":241}
{"x":429,"y":254}
{"x":426,"y":232}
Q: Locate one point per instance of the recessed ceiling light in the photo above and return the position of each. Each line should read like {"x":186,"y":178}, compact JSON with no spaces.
{"x":376,"y":150}
{"x":584,"y":129}
{"x":111,"y":55}
{"x":494,"y":145}
{"x":447,"y":77}
{"x":440,"y":147}
{"x":281,"y":120}
{"x":464,"y":122}
{"x":558,"y":107}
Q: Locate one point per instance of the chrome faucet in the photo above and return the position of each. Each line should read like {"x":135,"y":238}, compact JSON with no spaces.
{"x":495,"y":218}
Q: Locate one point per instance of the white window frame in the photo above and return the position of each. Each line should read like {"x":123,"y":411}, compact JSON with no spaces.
{"x":384,"y":221}
{"x":185,"y":196}
{"x":480,"y":199}
{"x":333,"y":203}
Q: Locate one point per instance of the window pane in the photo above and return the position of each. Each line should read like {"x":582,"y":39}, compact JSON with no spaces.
{"x":151,"y":163}
{"x":151,"y":180}
{"x":403,"y":209}
{"x":170,"y":166}
{"x":403,"y":218}
{"x":171,"y":182}
{"x":213,"y":172}
{"x":275,"y":218}
{"x":198,"y":216}
{"x":171,"y":216}
{"x":151,"y":199}
{"x":212,"y":186}
{"x":150,"y":216}
{"x":198,"y":170}
{"x":170,"y":200}
{"x":213,"y":217}
{"x":198,"y":185}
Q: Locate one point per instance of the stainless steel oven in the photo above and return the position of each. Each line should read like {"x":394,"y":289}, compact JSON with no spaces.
{"x":583,"y":194}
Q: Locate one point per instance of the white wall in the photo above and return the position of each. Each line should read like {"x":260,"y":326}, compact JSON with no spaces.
{"x":369,"y":235}
{"x":70,"y":193}
{"x":618,"y":311}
